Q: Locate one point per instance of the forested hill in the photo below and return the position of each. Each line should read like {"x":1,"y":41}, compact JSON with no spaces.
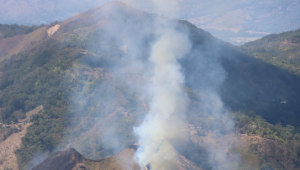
{"x":281,"y":50}
{"x":7,"y":31}
{"x":77,"y":61}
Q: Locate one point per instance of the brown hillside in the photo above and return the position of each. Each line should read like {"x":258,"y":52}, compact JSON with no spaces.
{"x":8,"y":147}
{"x":78,"y":26}
{"x":8,"y":159}
{"x":97,"y":17}
{"x":253,"y":150}
{"x":22,"y":43}
{"x":70,"y":159}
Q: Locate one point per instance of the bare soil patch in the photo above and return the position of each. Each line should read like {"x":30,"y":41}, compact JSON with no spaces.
{"x":8,"y":159}
{"x":8,"y":147}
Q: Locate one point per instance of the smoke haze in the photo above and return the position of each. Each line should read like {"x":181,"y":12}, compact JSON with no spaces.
{"x":143,"y":90}
{"x":166,"y":118}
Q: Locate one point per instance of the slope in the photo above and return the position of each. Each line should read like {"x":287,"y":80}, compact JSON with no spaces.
{"x":21,"y":43}
{"x":281,"y":50}
{"x":72,"y":75}
{"x":71,"y":159}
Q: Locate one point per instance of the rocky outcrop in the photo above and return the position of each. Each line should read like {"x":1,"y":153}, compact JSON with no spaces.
{"x":52,"y":30}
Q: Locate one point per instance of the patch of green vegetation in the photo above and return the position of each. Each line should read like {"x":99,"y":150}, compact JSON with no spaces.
{"x":7,"y":31}
{"x":257,"y":126}
{"x":37,"y":78}
{"x":282,"y":139}
{"x":29,"y":80}
{"x":281,"y":50}
{"x":45,"y":76}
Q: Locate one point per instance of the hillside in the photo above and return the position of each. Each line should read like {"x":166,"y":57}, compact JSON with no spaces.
{"x":89,"y":106}
{"x":15,"y":39}
{"x":120,"y":161}
{"x":256,"y":152}
{"x":281,"y":50}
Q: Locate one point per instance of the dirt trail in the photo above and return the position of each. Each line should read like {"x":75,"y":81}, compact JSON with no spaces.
{"x":8,"y":147}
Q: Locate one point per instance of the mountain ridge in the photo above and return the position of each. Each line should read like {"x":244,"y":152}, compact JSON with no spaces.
{"x":236,"y":22}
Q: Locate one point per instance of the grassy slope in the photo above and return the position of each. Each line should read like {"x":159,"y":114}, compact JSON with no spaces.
{"x":21,"y":42}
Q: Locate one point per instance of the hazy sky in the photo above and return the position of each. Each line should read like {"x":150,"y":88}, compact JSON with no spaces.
{"x":233,"y":21}
{"x":236,"y":20}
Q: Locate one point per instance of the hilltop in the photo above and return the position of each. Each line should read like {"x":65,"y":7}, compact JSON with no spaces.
{"x":41,"y":12}
{"x":69,"y":70}
{"x":235,"y":21}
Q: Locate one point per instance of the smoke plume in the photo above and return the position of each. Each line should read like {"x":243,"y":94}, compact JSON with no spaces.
{"x":113,"y":86}
{"x":166,"y":118}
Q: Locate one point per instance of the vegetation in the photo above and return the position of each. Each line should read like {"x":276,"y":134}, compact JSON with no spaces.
{"x":255,"y":125}
{"x":7,"y":31}
{"x":272,"y":146}
{"x":281,"y":50}
{"x":286,"y":148}
{"x":34,"y":79}
{"x":23,"y":82}
{"x":6,"y":132}
{"x":67,"y":78}
{"x":44,"y":76}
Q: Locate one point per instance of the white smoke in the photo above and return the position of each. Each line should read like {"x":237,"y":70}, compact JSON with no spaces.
{"x":163,"y":125}
{"x":166,"y":118}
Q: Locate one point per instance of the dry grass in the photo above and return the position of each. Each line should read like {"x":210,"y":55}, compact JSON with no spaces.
{"x":123,"y":160}
{"x":22,"y":43}
{"x":8,"y":147}
{"x":8,"y":158}
{"x":253,"y":150}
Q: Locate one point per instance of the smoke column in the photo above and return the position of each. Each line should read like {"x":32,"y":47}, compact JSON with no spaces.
{"x":166,"y":117}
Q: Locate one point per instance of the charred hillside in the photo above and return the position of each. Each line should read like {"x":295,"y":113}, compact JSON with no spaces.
{"x":78,"y":62}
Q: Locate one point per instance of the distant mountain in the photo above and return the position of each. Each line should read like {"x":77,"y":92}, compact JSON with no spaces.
{"x":65,"y":66}
{"x":235,"y":21}
{"x":29,"y":12}
{"x":242,"y":21}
